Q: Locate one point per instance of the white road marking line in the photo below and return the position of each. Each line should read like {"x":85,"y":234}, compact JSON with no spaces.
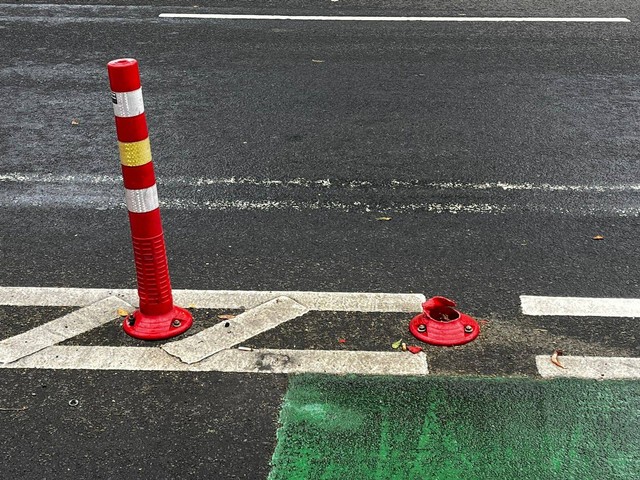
{"x":93,"y":179}
{"x":37,"y":348}
{"x":63,"y":328}
{"x":603,"y":368}
{"x":270,"y":205}
{"x":33,"y":177}
{"x":109,"y":196}
{"x":229,"y":333}
{"x":331,"y":301}
{"x":100,"y":201}
{"x":393,"y":19}
{"x":256,"y":361}
{"x":62,"y":297}
{"x":321,"y":361}
{"x":580,"y":306}
{"x":326,"y":301}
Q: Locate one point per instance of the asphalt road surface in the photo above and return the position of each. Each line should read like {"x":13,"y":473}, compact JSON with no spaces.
{"x":474,"y":160}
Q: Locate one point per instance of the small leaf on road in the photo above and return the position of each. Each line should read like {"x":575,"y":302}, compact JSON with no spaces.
{"x":383,"y":219}
{"x":226,"y":317}
{"x":122,"y":312}
{"x":554,"y":359}
{"x":396,"y":345}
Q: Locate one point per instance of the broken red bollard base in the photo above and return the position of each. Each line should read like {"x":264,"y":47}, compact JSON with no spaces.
{"x":158,"y":327}
{"x":440,"y":324}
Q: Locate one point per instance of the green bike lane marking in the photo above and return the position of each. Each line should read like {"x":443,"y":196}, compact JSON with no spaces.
{"x":457,"y":428}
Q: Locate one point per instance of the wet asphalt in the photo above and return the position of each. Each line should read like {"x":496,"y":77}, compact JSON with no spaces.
{"x":360,"y":155}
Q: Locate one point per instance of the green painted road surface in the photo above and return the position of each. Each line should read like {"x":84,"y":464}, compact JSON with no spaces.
{"x":458,"y":428}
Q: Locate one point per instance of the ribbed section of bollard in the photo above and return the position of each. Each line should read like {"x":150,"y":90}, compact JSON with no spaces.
{"x":157,"y":318}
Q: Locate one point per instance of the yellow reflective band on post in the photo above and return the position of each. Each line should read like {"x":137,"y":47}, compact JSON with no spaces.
{"x":134,"y":154}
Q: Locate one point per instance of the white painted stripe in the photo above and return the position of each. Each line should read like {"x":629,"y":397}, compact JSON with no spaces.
{"x":221,"y":16}
{"x":506,"y":186}
{"x":92,"y":179}
{"x":602,"y":368}
{"x":320,"y":361}
{"x":143,"y":200}
{"x":107,"y":201}
{"x":357,"y":206}
{"x":326,"y":301}
{"x":241,"y":299}
{"x":256,"y":361}
{"x":127,"y":104}
{"x":62,"y":297}
{"x":75,"y":323}
{"x":229,"y":333}
{"x":580,"y":306}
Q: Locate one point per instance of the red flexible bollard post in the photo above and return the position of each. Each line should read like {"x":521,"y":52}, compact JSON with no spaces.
{"x":157,"y":318}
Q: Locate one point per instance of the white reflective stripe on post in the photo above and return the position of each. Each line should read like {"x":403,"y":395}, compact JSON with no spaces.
{"x":143,"y":200}
{"x":127,"y":104}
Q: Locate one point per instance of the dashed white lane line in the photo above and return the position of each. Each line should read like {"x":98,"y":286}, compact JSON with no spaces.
{"x":580,"y":306}
{"x":332,"y":301}
{"x":603,"y":368}
{"x":256,"y":361}
{"x":581,"y":366}
{"x":394,"y":19}
{"x":227,"y":334}
{"x":56,"y":331}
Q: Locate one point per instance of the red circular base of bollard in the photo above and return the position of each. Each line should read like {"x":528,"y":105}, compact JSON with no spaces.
{"x":158,"y":327}
{"x":439,"y":324}
{"x":447,"y":334}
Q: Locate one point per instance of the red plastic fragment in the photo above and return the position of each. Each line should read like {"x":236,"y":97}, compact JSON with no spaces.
{"x":440,"y":324}
{"x":414,"y":349}
{"x":342,"y":340}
